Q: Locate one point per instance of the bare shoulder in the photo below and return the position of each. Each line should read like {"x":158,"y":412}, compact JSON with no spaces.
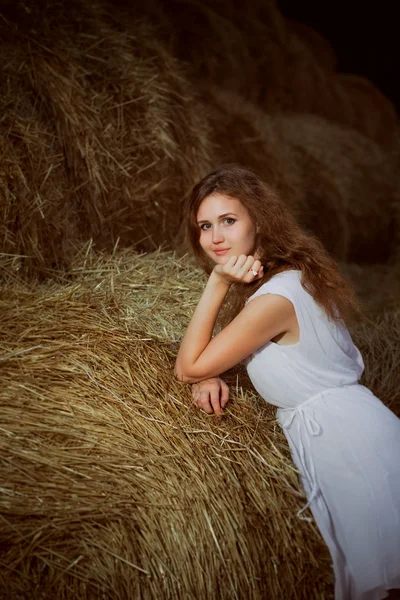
{"x":269,"y":303}
{"x":276,"y":313}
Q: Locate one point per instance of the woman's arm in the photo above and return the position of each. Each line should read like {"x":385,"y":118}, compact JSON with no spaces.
{"x":260,"y":321}
{"x":201,"y":357}
{"x":201,"y":326}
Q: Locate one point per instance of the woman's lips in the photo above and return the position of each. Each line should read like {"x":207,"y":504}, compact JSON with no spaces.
{"x":221,"y":252}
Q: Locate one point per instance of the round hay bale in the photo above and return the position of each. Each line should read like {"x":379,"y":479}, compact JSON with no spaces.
{"x":377,"y":286}
{"x":379,"y":343}
{"x":112,"y":135}
{"x":362,"y":177}
{"x":366,"y":109}
{"x":298,"y":82}
{"x":112,"y":484}
{"x":225,"y":43}
{"x":280,"y":64}
{"x":302,"y":84}
{"x":339,"y":184}
{"x":316,"y":42}
{"x":39,"y":218}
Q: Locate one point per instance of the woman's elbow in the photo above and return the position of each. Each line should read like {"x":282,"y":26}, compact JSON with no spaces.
{"x":180,"y":374}
{"x":184,"y":375}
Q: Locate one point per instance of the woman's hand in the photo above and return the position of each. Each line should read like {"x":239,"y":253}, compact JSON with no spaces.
{"x":239,"y":269}
{"x":211,"y":395}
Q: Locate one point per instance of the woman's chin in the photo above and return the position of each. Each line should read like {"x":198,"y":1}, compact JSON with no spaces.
{"x":221,"y":260}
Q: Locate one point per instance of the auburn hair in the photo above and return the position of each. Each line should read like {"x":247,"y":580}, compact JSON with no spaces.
{"x":280,"y":241}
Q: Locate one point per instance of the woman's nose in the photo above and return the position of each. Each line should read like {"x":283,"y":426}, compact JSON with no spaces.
{"x":217,"y":236}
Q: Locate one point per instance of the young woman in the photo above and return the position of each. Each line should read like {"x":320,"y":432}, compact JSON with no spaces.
{"x":287,"y":323}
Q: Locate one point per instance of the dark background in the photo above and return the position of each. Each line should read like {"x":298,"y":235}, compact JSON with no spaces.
{"x":365,"y":36}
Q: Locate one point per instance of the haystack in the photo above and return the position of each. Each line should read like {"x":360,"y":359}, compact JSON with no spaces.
{"x":222,"y":41}
{"x":113,"y":485}
{"x":304,"y":84}
{"x":281,"y":65}
{"x":321,"y":48}
{"x":364,"y":108}
{"x":101,"y":136}
{"x":377,"y":286}
{"x":340,"y":184}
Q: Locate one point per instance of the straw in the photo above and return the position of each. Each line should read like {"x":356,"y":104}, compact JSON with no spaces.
{"x":112,"y":483}
{"x":102,"y":136}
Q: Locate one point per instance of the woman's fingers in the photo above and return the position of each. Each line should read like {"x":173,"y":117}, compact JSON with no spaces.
{"x":209,"y":402}
{"x":203,"y":403}
{"x":257,"y":270}
{"x":242,"y":262}
{"x":256,"y":265}
{"x":224,"y":397}
{"x":248,"y":269}
{"x":215,"y":401}
{"x":211,"y":395}
{"x":241,"y":268}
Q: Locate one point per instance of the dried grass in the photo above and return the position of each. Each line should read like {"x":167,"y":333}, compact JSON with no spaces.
{"x":366,"y":108}
{"x":304,"y":84}
{"x":224,"y":42}
{"x":278,"y":63}
{"x":316,"y":42}
{"x":377,"y":286}
{"x":113,"y":486}
{"x":101,"y":134}
{"x":339,"y":184}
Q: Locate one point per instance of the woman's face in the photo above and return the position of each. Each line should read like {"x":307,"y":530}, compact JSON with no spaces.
{"x":226,"y":228}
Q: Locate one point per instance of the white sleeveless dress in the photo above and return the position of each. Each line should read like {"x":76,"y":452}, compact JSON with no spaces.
{"x":345,"y":443}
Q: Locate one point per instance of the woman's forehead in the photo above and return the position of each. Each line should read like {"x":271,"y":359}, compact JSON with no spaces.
{"x":217,"y":203}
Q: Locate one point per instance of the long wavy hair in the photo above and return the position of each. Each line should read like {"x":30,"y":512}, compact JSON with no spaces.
{"x":280,"y":242}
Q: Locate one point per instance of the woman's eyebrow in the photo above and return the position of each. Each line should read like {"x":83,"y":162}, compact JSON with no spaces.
{"x":220,"y":217}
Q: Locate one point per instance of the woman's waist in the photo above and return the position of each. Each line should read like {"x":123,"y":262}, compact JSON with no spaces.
{"x":292,"y":390}
{"x":286,"y":414}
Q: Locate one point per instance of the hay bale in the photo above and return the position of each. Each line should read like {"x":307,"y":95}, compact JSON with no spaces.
{"x":340,"y":184}
{"x":113,"y":485}
{"x":101,"y":135}
{"x":39,"y":219}
{"x":366,"y":109}
{"x":319,"y":45}
{"x":225,"y":43}
{"x":280,"y":64}
{"x":377,"y":286}
{"x":379,"y":343}
{"x":243,"y":133}
{"x":355,"y":175}
{"x":298,"y":83}
{"x":356,"y":103}
{"x":303,"y":84}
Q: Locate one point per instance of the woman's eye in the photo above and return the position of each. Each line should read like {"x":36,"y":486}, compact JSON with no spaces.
{"x":205,"y":226}
{"x":230,"y":221}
